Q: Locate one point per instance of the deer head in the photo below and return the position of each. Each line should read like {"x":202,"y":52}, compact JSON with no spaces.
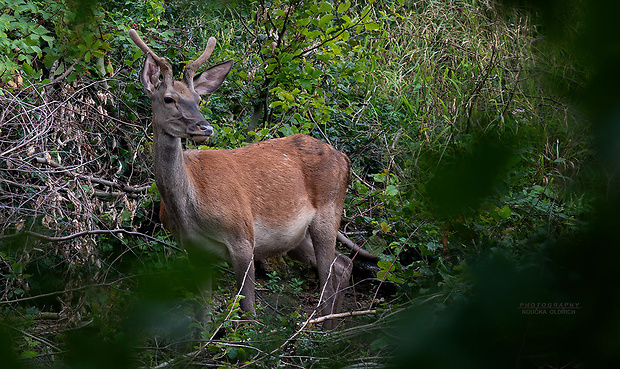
{"x":176,"y":103}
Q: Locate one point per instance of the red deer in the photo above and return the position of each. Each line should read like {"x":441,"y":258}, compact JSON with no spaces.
{"x":280,"y":196}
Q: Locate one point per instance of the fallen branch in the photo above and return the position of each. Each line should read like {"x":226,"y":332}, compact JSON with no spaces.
{"x":341,"y":315}
{"x":87,"y":233}
{"x":124,"y":188}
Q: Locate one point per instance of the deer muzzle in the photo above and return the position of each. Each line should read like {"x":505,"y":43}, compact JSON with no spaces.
{"x":200,"y":132}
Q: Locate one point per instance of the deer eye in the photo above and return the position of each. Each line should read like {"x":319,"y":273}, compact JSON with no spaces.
{"x":168,"y":100}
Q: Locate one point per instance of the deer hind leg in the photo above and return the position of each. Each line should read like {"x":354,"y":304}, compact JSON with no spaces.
{"x":340,"y":275}
{"x":334,"y":268}
{"x":343,"y":266}
{"x":304,"y":252}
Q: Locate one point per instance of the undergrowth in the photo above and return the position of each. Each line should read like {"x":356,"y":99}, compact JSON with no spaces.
{"x":466,"y":141}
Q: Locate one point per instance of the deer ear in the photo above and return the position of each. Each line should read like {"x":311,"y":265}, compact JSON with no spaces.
{"x":211,"y":79}
{"x":150,"y":75}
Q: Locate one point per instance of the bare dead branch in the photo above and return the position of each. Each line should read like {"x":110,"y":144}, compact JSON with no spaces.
{"x":341,"y":315}
{"x":87,"y":233}
{"x":125,"y":188}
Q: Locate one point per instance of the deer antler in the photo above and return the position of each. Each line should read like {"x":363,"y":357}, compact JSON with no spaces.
{"x":164,"y":66}
{"x":190,"y":69}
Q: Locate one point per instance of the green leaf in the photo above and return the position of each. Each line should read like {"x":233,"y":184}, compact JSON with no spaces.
{"x":373,"y":26}
{"x":287,"y":96}
{"x":60,"y":69}
{"x":379,"y":344}
{"x":28,"y":354}
{"x":379,"y":177}
{"x":97,"y":53}
{"x":125,"y":215}
{"x":232,"y":353}
{"x":391,"y":190}
{"x":343,"y":7}
{"x":27,"y":69}
{"x":376,"y":245}
{"x":279,"y":13}
{"x":504,"y":212}
{"x":48,"y":39}
{"x":17,"y":268}
{"x":385,"y":265}
{"x":324,"y":7}
{"x":429,"y":248}
{"x":325,"y":20}
{"x":305,"y":83}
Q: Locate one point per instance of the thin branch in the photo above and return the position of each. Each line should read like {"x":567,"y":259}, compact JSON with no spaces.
{"x":101,"y":181}
{"x":88,"y":233}
{"x":29,"y":298}
{"x":341,"y":315}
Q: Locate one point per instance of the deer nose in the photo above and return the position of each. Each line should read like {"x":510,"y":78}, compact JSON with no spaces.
{"x":206,"y":129}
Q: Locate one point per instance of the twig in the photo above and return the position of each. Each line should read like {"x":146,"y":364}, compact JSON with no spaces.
{"x":68,"y":290}
{"x":65,"y":73}
{"x":341,"y":315}
{"x":101,"y":181}
{"x":32,"y":336}
{"x":87,"y":233}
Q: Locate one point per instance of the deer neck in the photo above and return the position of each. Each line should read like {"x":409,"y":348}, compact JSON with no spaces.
{"x":171,"y":176}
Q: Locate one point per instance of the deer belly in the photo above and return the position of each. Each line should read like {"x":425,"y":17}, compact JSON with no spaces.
{"x":276,"y":239}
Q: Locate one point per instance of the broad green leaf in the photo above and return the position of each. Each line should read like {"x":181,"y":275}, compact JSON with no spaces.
{"x":376,"y":245}
{"x":391,"y":190}
{"x":324,"y":7}
{"x":97,"y":54}
{"x":379,"y":177}
{"x":17,"y":268}
{"x":387,"y":266}
{"x":28,"y":354}
{"x":344,"y":6}
{"x":504,"y":212}
{"x":373,"y":26}
{"x":28,"y":69}
{"x":325,"y":20}
{"x":347,"y":20}
{"x":305,"y":83}
{"x":313,"y":34}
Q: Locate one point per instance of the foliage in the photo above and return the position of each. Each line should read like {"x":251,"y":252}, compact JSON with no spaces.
{"x":474,"y":180}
